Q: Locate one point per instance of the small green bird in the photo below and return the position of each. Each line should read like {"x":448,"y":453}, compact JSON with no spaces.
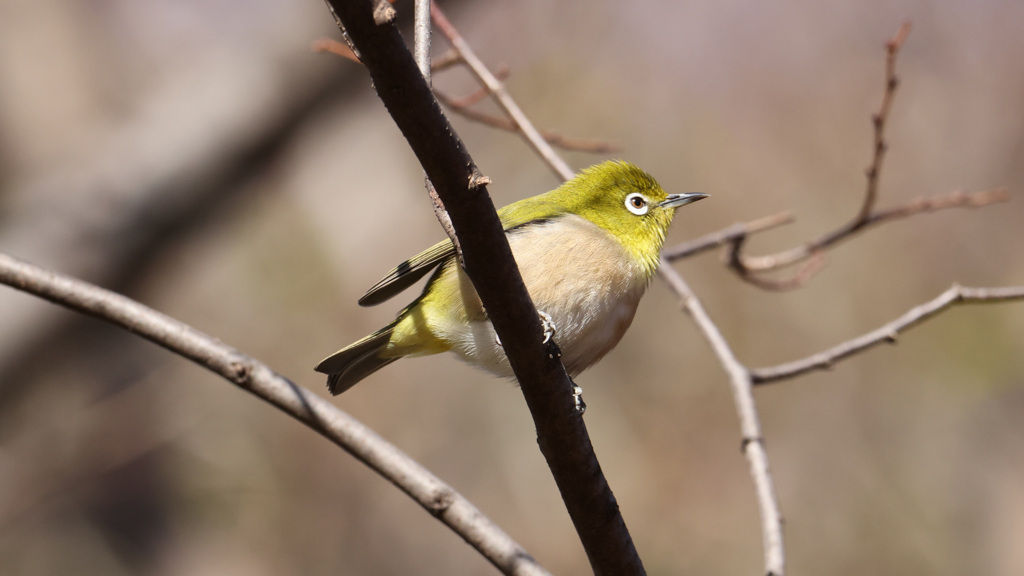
{"x":587,"y":251}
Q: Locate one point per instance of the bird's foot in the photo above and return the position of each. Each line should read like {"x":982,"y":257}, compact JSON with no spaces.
{"x":577,"y":398}
{"x":548,"y":324}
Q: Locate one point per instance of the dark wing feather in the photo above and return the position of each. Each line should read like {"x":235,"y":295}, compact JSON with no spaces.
{"x":357,"y":361}
{"x":407,"y":273}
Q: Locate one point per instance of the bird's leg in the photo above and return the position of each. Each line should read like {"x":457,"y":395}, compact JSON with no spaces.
{"x":546,"y":322}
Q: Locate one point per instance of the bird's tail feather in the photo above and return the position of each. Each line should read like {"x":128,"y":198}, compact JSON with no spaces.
{"x":351,"y":364}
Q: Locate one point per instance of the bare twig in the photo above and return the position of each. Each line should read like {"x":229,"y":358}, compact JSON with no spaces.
{"x":507,"y":104}
{"x":435,"y":496}
{"x":888,"y":333}
{"x":460,"y":107}
{"x":447,"y":60}
{"x":445,"y":219}
{"x":421,"y":51}
{"x":955,"y":199}
{"x":892,"y":48}
{"x":502,"y":73}
{"x":801,"y":277}
{"x":725,"y":236}
{"x":421,"y":37}
{"x":750,"y":425}
{"x":748,"y":268}
{"x":334,"y":47}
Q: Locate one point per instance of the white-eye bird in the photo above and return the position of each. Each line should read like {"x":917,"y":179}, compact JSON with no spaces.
{"x":586,"y":250}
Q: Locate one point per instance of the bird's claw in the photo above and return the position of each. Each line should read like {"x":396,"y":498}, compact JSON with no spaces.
{"x":577,"y":398}
{"x":548,"y":324}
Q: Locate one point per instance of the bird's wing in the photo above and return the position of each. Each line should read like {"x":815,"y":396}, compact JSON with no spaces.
{"x":407,"y":273}
{"x":527,"y":211}
{"x":515,"y":215}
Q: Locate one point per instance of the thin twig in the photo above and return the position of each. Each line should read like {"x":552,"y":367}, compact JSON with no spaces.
{"x":750,"y":268}
{"x":444,"y":61}
{"x":421,"y":51}
{"x":461,"y":108}
{"x":747,"y":267}
{"x":955,"y":199}
{"x":445,"y":219}
{"x":502,"y":73}
{"x":878,"y":120}
{"x":810,"y":268}
{"x":435,"y":496}
{"x":421,"y":37}
{"x":462,"y":105}
{"x":507,"y":104}
{"x":888,"y":333}
{"x":332,"y":46}
{"x":725,"y":236}
{"x":750,"y":425}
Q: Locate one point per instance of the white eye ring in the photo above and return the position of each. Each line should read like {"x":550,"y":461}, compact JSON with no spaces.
{"x":636,"y":203}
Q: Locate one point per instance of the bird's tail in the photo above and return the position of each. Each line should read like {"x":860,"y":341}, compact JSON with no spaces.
{"x":351,"y":364}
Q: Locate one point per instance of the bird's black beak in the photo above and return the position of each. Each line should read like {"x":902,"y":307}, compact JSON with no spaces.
{"x":677,"y":200}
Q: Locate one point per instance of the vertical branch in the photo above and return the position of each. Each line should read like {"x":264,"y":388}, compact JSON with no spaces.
{"x":878,"y":120}
{"x":421,"y":37}
{"x":561,"y":432}
{"x":495,"y":87}
{"x":750,"y":424}
{"x":421,"y":52}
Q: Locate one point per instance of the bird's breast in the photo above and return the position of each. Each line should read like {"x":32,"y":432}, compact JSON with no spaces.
{"x":578,"y":274}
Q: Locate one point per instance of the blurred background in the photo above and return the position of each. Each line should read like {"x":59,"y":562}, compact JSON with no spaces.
{"x":199,"y":157}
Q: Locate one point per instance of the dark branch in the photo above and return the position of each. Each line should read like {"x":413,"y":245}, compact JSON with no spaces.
{"x":561,"y":433}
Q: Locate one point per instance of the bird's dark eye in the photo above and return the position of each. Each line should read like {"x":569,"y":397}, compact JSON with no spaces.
{"x":636,"y":203}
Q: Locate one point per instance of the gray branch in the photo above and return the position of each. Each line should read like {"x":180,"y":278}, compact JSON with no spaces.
{"x":888,"y":333}
{"x":439,"y":499}
{"x":750,"y":424}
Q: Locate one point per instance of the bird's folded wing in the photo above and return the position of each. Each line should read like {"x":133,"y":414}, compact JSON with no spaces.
{"x":513,"y":216}
{"x":407,"y":273}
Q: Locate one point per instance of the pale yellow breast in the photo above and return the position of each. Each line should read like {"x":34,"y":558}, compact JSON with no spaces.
{"x":580,"y":275}
{"x":575,"y":271}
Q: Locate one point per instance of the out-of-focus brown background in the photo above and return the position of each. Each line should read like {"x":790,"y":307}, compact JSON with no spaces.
{"x":200,"y":158}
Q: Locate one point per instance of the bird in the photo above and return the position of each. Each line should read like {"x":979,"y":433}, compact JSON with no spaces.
{"x":586,"y":250}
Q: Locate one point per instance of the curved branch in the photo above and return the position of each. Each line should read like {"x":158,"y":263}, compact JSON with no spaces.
{"x":888,"y":333}
{"x":955,"y":199}
{"x":429,"y":491}
{"x":750,"y":424}
{"x":727,"y":235}
{"x":749,"y":268}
